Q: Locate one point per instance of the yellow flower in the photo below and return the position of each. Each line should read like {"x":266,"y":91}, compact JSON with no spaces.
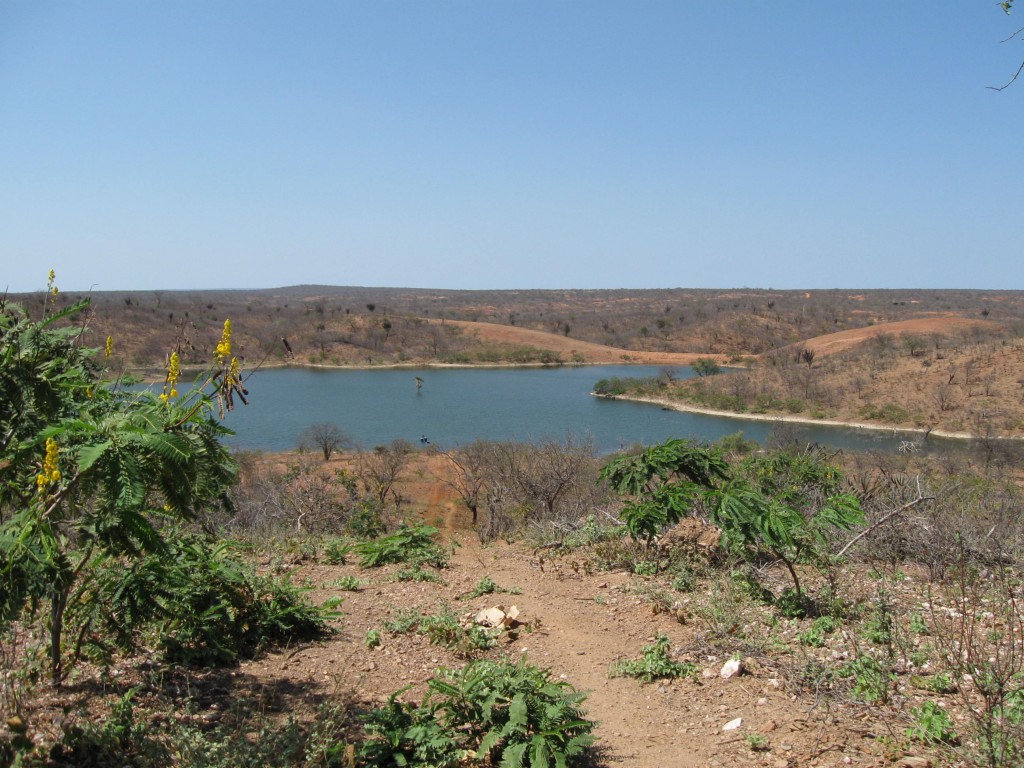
{"x":50,"y":473}
{"x":224,"y":346}
{"x":108,"y":350}
{"x":173,"y":374}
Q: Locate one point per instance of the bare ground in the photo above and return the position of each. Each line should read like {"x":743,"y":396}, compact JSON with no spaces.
{"x":582,"y":623}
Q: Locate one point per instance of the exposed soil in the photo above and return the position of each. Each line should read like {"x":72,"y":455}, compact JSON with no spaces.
{"x":831,"y":343}
{"x":582,"y":622}
{"x":573,"y":349}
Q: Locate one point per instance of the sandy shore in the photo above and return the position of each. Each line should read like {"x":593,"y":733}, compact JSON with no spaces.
{"x":675,"y":405}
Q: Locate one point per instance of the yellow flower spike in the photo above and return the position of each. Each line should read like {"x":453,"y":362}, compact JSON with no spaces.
{"x":52,"y":277}
{"x":173,"y":374}
{"x":224,"y":346}
{"x":50,"y":473}
{"x":235,"y":372}
{"x":108,"y":349}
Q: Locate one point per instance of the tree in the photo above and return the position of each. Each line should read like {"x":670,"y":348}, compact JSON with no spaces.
{"x":706,"y":366}
{"x":1007,"y":7}
{"x":324,"y":437}
{"x":663,"y":483}
{"x":785,"y":504}
{"x":89,"y":472}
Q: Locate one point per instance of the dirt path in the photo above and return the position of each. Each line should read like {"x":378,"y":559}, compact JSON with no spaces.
{"x":584,"y":622}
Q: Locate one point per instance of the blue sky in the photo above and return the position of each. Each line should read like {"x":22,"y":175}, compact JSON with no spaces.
{"x":478,"y":144}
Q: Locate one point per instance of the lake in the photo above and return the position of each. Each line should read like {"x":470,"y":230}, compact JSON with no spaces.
{"x":456,"y":406}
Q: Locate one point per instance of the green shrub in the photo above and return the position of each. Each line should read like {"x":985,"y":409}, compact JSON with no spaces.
{"x":503,"y":713}
{"x":445,"y":629}
{"x":932,"y":725}
{"x":336,"y":551}
{"x":202,"y":603}
{"x":409,"y":544}
{"x":815,"y":634}
{"x":655,"y":664}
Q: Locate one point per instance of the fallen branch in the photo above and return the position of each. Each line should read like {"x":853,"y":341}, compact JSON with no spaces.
{"x":920,"y":497}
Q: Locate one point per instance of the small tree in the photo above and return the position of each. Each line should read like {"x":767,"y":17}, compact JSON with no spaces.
{"x":90,"y":473}
{"x":324,"y":437}
{"x":706,"y":366}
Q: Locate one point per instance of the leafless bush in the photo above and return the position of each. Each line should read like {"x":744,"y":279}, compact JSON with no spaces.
{"x":303,"y":497}
{"x":980,"y":637}
{"x":538,"y":486}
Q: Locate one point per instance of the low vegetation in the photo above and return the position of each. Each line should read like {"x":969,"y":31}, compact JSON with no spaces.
{"x":142,"y":567}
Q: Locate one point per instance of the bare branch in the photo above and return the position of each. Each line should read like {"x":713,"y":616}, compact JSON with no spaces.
{"x":885,"y":518}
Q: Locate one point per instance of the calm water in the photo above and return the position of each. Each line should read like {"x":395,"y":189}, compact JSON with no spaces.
{"x":458,"y":405}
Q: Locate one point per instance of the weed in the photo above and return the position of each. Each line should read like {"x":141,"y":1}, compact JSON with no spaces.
{"x":418,"y":573}
{"x":346,"y":583}
{"x":409,"y":544}
{"x":815,"y":634}
{"x":336,"y":551}
{"x":757,"y":742}
{"x":406,"y":620}
{"x":932,"y":725}
{"x":645,"y":568}
{"x":870,"y":680}
{"x":445,"y":629}
{"x":685,"y":581}
{"x":502,"y":713}
{"x":487,"y":586}
{"x":373,"y":639}
{"x":655,"y":664}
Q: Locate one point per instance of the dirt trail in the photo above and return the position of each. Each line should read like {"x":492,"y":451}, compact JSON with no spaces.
{"x":584,"y":622}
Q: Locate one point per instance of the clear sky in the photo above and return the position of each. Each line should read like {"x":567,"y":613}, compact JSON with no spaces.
{"x":533,"y":144}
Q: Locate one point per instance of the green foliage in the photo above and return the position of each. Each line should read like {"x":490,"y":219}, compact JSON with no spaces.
{"x":506,"y":714}
{"x":406,"y":620}
{"x":487,"y":586}
{"x":259,"y":742}
{"x":932,"y":725}
{"x":200,"y":603}
{"x":336,"y":551}
{"x":879,"y":627}
{"x":645,"y":567}
{"x":663,"y":482}
{"x":409,"y":544}
{"x":117,"y":739}
{"x":785,"y":504}
{"x":706,"y":366}
{"x":346,"y":583}
{"x":116,"y":465}
{"x":655,"y":664}
{"x":815,"y":634}
{"x":622,"y":385}
{"x":365,"y":520}
{"x":373,"y":639}
{"x":444,"y":628}
{"x":870,"y":680}
{"x":418,"y":573}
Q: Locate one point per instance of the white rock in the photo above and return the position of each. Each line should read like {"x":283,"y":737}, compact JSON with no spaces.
{"x":732,"y":725}
{"x":731,"y":668}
